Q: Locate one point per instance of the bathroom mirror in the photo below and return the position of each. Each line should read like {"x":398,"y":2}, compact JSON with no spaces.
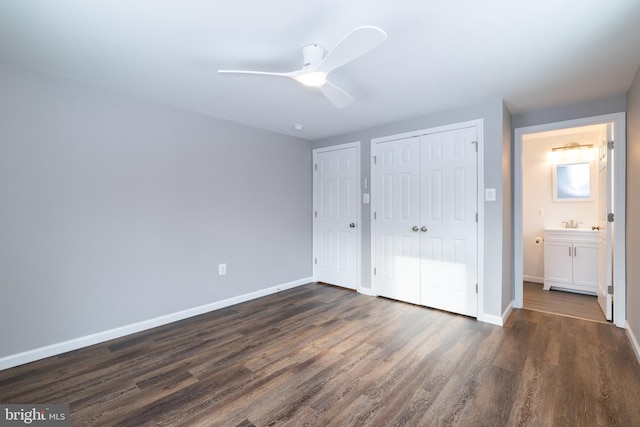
{"x":573,"y":182}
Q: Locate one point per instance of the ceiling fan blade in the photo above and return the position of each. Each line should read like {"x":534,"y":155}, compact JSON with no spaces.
{"x":262,"y":73}
{"x":337,"y":96}
{"x":356,"y":43}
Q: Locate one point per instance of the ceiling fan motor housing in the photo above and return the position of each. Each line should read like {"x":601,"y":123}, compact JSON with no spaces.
{"x":312,"y":54}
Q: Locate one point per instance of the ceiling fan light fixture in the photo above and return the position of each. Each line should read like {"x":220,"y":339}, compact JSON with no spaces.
{"x":314,"y":79}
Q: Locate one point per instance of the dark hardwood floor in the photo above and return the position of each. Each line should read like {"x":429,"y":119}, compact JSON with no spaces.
{"x":322,"y":356}
{"x":562,"y":303}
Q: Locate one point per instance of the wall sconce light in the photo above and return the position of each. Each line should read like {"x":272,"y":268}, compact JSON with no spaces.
{"x":572,"y":151}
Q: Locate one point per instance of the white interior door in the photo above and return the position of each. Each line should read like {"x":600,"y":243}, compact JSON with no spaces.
{"x":335,"y":216}
{"x":396,"y":207}
{"x":605,"y":233}
{"x":449,"y":221}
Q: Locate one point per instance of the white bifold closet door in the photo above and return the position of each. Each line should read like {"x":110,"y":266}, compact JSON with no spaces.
{"x":425,"y":220}
{"x":396,"y":198}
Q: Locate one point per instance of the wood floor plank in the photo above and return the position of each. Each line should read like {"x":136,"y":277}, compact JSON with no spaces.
{"x":562,"y":303}
{"x":458,"y":393}
{"x":533,"y":395}
{"x":318,"y":355}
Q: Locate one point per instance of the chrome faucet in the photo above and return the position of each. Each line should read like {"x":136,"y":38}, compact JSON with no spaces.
{"x":571,"y":224}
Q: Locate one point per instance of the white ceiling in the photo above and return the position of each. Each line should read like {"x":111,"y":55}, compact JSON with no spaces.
{"x":534,"y":54}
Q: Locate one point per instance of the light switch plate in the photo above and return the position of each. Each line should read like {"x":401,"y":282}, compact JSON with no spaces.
{"x":365,"y":198}
{"x":490,"y":194}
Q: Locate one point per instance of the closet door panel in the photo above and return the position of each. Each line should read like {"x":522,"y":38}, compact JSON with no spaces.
{"x":396,"y":175}
{"x":449,"y":206}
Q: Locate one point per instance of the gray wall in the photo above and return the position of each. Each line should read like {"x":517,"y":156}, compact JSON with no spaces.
{"x":633,"y":206}
{"x":593,"y":108}
{"x":497,"y":233}
{"x":116,"y":210}
{"x":508,"y":285}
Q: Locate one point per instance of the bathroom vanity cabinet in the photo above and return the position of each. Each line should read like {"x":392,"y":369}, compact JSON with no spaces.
{"x":571,"y":259}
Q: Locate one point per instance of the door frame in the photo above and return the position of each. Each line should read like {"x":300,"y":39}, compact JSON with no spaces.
{"x":619,"y":178}
{"x":358,"y":197}
{"x":479,"y":125}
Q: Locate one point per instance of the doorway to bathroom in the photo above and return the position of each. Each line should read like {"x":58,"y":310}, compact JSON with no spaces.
{"x":568,"y":240}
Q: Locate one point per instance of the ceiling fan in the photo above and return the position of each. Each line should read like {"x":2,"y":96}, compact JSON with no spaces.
{"x":316,"y":66}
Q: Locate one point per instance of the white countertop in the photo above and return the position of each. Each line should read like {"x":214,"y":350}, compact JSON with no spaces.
{"x":587,"y":230}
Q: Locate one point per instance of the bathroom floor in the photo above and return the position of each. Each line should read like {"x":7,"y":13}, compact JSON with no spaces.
{"x":562,"y":303}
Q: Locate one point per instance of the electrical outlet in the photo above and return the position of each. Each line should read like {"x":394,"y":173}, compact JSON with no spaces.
{"x":222,"y":269}
{"x":540,"y":212}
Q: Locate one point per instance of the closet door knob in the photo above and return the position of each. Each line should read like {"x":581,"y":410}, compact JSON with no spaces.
{"x":423,"y":229}
{"x":352,"y":225}
{"x":415,"y":228}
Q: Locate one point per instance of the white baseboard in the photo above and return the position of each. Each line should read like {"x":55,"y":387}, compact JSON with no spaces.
{"x":533,"y":279}
{"x":490,"y":318}
{"x":497,"y":320}
{"x":76,"y":343}
{"x":634,"y":341}
{"x":367,"y":291}
{"x":507,"y":311}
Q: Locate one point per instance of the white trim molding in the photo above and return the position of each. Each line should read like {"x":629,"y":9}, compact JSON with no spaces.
{"x":634,"y":341}
{"x":498,"y":320}
{"x":100,"y":337}
{"x":367,"y":291}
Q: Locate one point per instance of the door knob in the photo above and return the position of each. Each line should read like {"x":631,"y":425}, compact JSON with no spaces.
{"x":415,"y":228}
{"x":352,"y":225}
{"x":596,"y":227}
{"x":423,"y":229}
